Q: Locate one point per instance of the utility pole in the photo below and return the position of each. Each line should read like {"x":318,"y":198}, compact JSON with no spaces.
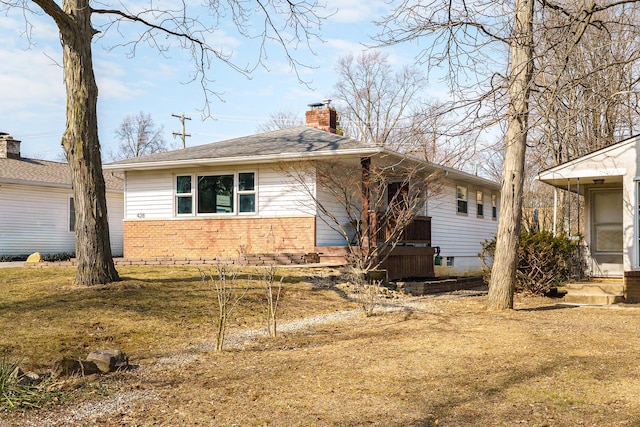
{"x":182,"y":134}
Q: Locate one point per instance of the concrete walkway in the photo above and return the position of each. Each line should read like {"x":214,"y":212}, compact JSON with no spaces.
{"x":10,"y":264}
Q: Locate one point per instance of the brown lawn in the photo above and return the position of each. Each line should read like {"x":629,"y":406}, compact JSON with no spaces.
{"x":440,"y":360}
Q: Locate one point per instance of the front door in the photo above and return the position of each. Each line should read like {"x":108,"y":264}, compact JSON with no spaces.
{"x":606,"y":232}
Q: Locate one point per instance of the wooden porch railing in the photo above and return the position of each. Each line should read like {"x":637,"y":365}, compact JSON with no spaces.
{"x":418,"y":230}
{"x":408,"y":260}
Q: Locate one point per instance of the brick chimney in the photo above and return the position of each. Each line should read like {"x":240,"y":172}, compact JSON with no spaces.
{"x":9,"y":147}
{"x":322,"y":116}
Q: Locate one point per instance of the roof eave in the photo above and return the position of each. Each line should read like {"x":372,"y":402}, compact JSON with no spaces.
{"x":65,"y":186}
{"x":225,"y":161}
{"x":576,"y":180}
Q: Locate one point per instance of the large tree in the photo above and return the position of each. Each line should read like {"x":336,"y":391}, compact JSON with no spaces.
{"x":280,"y":120}
{"x":375,"y":101}
{"x":283,"y":23}
{"x":138,"y":136}
{"x":492,"y":56}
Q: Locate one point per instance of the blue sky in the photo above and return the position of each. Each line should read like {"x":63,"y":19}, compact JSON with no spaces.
{"x":33,"y":103}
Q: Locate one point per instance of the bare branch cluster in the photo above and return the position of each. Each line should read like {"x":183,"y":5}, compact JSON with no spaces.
{"x":286,"y":25}
{"x":374,"y":100}
{"x":138,"y":136}
{"x":280,"y":120}
{"x":225,"y":285}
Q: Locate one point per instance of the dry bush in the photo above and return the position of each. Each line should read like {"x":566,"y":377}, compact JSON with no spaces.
{"x":542,"y":261}
{"x":228,"y":295}
{"x":272,"y":291}
{"x":366,"y":292}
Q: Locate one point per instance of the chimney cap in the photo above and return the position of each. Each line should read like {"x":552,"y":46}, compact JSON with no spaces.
{"x":318,"y":105}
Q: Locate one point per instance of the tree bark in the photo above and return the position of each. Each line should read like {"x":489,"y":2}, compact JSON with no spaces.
{"x":505,"y":263}
{"x":82,"y":148}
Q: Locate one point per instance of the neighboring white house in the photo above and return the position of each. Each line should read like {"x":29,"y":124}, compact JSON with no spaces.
{"x":609,"y":180}
{"x":37,"y":205}
{"x":233,"y":197}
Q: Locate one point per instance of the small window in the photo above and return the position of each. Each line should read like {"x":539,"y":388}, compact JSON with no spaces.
{"x":494,"y":206}
{"x":449,"y":261}
{"x":480,"y":203}
{"x":246,"y":192}
{"x":184,"y":195}
{"x":461,"y":194}
{"x":72,"y":215}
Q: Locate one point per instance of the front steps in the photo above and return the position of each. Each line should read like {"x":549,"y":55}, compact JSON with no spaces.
{"x":605,"y":292}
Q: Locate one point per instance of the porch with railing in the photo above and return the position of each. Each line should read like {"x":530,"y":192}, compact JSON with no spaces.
{"x":411,"y":254}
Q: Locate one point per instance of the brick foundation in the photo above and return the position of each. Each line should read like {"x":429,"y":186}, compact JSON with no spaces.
{"x":632,"y":286}
{"x":218,"y":237}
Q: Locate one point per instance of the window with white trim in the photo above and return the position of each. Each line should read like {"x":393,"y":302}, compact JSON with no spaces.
{"x":494,"y":206}
{"x":480,"y":204}
{"x":215,"y":194}
{"x":72,"y":215}
{"x":208,"y":194}
{"x":246,"y":192}
{"x":461,"y":196}
{"x":184,"y":195}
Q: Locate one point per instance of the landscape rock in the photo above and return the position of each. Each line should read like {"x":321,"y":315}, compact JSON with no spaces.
{"x":71,"y":366}
{"x":35,"y":257}
{"x":109,"y":360}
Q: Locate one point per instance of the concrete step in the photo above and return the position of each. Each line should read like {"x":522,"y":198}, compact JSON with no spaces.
{"x":332,"y":259}
{"x":592,"y":299}
{"x":599,"y":288}
{"x":594,"y":292}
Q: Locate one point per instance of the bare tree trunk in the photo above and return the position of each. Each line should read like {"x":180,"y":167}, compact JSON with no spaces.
{"x":80,"y":142}
{"x":503,"y":273}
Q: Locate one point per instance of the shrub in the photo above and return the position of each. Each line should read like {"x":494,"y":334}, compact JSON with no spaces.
{"x":17,"y":391}
{"x":542,"y":260}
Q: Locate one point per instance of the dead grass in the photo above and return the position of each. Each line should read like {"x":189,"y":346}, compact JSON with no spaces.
{"x":150,"y":312}
{"x":445,"y":362}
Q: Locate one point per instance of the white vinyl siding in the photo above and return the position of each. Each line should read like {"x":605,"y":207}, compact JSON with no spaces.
{"x":36,"y":219}
{"x":281,"y":194}
{"x":459,"y":236}
{"x":115,"y":209}
{"x":327,"y":232}
{"x":149,"y":195}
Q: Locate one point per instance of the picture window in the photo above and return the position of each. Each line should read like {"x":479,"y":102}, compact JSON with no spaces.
{"x":215,"y":194}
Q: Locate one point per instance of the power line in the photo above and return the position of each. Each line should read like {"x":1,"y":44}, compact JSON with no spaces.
{"x":182,"y":133}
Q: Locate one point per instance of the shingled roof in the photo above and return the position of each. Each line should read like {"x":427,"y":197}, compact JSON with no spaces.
{"x":291,"y":142}
{"x":46,"y":173}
